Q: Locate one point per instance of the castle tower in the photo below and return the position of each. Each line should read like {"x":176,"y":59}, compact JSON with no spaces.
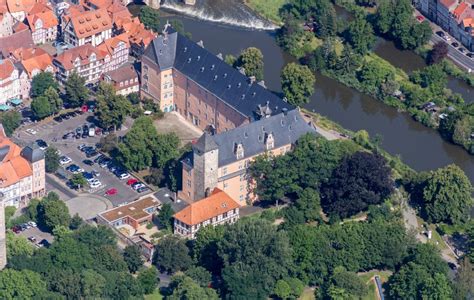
{"x":205,"y":157}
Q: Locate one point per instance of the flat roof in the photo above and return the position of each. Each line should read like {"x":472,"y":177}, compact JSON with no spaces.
{"x":134,"y":210}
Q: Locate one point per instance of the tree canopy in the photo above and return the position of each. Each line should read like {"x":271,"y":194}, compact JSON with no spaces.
{"x":251,"y":59}
{"x":297,"y":82}
{"x":76,"y":90}
{"x":41,"y":82}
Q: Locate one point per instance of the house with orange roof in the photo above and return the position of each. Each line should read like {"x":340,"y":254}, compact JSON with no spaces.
{"x":14,"y":82}
{"x":216,"y":209}
{"x":115,"y":51}
{"x":86,"y":60}
{"x":41,"y":62}
{"x":20,"y":8}
{"x":43,"y":26}
{"x":93,"y":26}
{"x":6,"y":21}
{"x":22,"y":172}
{"x":138,"y":36}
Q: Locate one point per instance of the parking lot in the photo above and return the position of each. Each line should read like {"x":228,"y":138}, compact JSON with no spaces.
{"x":52,"y":133}
{"x":37,"y":237}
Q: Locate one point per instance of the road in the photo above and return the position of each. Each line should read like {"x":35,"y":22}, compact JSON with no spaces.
{"x":459,"y":58}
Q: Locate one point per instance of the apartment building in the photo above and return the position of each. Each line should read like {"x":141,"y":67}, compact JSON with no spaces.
{"x":22,"y":173}
{"x":93,"y":26}
{"x":183,"y":76}
{"x":222,"y":160}
{"x":43,"y":26}
{"x":34,"y":61}
{"x":85,"y":60}
{"x":14,"y":81}
{"x":115,"y":51}
{"x":215,"y":209}
{"x":124,"y":80}
{"x":139,"y":36}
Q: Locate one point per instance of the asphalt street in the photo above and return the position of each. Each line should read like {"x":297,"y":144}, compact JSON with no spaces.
{"x":459,"y":58}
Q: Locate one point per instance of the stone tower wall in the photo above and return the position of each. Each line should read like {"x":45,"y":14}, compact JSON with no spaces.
{"x":205,"y":173}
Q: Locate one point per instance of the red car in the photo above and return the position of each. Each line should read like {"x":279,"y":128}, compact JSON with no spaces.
{"x":132,"y":181}
{"x":111,"y":192}
{"x":420,"y":18}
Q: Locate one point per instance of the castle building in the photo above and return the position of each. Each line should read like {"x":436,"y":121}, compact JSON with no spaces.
{"x":183,"y":76}
{"x":241,"y":118}
{"x":22,"y":172}
{"x":222,"y":160}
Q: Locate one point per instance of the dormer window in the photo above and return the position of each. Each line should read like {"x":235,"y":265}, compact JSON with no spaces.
{"x":239,"y":151}
{"x":269,"y":141}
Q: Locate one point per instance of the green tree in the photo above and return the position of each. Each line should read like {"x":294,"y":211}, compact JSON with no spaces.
{"x":10,"y":121}
{"x":133,"y":258}
{"x":53,"y":212}
{"x":360,"y":35}
{"x":464,"y":281}
{"x":136,"y":150}
{"x":282,"y":289}
{"x":447,"y":195}
{"x":165,"y":217}
{"x":230,"y":59}
{"x":40,"y":107}
{"x":78,"y":180}
{"x":91,"y":284}
{"x":76,"y":222}
{"x":373,"y":74}
{"x":76,"y":90}
{"x":438,"y":53}
{"x":32,"y":209}
{"x":297,"y":82}
{"x":54,"y":100}
{"x":200,"y":275}
{"x":432,"y":77}
{"x":18,"y":246}
{"x":183,"y":287}
{"x":51,"y":157}
{"x":41,"y":82}
{"x":206,"y":247}
{"x":112,"y":109}
{"x":352,"y":284}
{"x":251,"y":59}
{"x":22,"y":284}
{"x":165,"y":149}
{"x":253,"y":265}
{"x":172,"y":254}
{"x":150,"y":18}
{"x":361,"y":180}
{"x":148,"y":279}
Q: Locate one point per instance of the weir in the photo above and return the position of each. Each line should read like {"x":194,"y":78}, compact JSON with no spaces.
{"x":233,"y":13}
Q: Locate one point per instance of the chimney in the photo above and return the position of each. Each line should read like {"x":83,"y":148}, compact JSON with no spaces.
{"x":285,"y":111}
{"x":220,"y":56}
{"x":241,"y":70}
{"x":262,"y":83}
{"x":201,"y":43}
{"x":252,"y":79}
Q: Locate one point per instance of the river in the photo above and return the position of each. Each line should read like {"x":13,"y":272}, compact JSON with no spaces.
{"x":420,"y":147}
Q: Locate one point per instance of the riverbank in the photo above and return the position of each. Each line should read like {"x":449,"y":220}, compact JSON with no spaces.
{"x":268,"y":9}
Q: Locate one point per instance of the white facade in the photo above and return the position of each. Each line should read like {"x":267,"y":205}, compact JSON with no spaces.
{"x":190,"y":231}
{"x":71,"y":39}
{"x":6,"y":24}
{"x":42,"y":35}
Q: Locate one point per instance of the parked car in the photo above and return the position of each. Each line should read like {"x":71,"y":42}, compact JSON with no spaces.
{"x":92,"y":130}
{"x":69,"y":135}
{"x":470,"y":54}
{"x":95,"y":173}
{"x":95,"y":184}
{"x":132,"y":181}
{"x":420,"y":18}
{"x":111,"y":192}
{"x":31,"y":131}
{"x":124,"y":175}
{"x":142,"y":189}
{"x":58,"y":119}
{"x":137,"y":185}
{"x":32,"y":224}
{"x":462,"y":50}
{"x":16,"y":229}
{"x":455,"y":44}
{"x":440,"y":33}
{"x":64,"y":160}
{"x":42,"y":144}
{"x":88,"y":162}
{"x":32,"y":239}
{"x":91,"y":153}
{"x":75,"y":169}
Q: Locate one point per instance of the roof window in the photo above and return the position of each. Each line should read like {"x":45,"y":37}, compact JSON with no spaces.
{"x":202,"y":69}
{"x":189,"y":60}
{"x":225,"y":75}
{"x":213,"y":66}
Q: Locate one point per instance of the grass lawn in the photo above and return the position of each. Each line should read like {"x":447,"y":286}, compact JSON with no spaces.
{"x":308,"y":294}
{"x":155,"y":296}
{"x":372,"y":294}
{"x":268,"y":9}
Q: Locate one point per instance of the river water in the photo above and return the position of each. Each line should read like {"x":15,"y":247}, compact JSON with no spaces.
{"x":420,"y":147}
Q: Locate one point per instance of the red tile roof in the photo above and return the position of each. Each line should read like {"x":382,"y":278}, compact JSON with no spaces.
{"x":83,"y":53}
{"x":109,"y":45}
{"x":13,"y":167}
{"x":91,"y":22}
{"x":6,"y":69}
{"x":205,"y":209}
{"x":48,"y":18}
{"x":17,"y":40}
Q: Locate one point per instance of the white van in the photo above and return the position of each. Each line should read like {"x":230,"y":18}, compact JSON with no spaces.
{"x":92,"y":130}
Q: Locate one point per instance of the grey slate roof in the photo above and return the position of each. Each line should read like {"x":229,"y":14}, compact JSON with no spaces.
{"x":286,"y":129}
{"x":205,"y":143}
{"x":32,"y":153}
{"x":4,"y":151}
{"x":207,"y":70}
